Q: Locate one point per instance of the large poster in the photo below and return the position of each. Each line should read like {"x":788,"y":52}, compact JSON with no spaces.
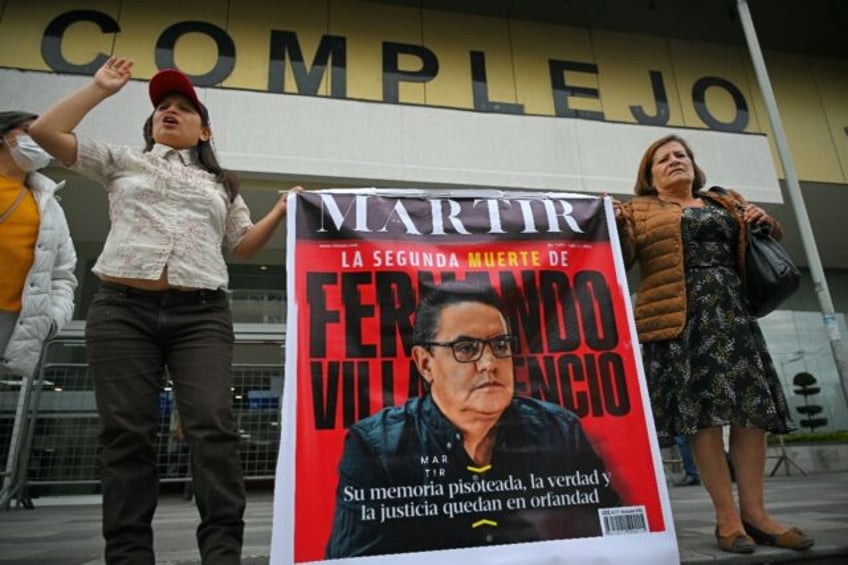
{"x":462,"y":376}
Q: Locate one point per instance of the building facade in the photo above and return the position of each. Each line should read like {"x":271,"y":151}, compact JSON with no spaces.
{"x":551,"y":95}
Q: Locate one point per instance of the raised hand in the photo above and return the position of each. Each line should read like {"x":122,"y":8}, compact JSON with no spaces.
{"x":53,"y":130}
{"x":114,"y":74}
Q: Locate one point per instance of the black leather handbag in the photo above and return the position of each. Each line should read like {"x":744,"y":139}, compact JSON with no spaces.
{"x":771,"y":276}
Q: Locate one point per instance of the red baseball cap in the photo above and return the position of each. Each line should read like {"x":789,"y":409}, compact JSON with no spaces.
{"x":172,"y":80}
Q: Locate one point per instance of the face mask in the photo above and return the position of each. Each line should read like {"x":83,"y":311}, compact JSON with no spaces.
{"x":28,"y":155}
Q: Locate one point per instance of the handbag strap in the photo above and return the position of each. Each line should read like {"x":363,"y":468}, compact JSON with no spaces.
{"x":14,"y":205}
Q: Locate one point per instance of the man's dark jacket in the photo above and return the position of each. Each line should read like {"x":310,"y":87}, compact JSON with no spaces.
{"x":416,"y":447}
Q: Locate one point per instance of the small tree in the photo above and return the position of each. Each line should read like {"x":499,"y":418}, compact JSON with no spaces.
{"x":805,"y":381}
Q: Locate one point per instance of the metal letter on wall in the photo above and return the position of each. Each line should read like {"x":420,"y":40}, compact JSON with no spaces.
{"x":226,"y":50}
{"x":563,"y":91}
{"x":661,"y":100}
{"x":393,"y":75}
{"x":480,"y":89}
{"x":332,"y":47}
{"x":699,"y":89}
{"x":51,"y":41}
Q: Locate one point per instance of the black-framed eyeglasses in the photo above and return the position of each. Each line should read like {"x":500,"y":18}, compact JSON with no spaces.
{"x":469,"y":350}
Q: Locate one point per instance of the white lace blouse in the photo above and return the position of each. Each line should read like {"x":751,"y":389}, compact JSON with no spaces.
{"x":164,"y":211}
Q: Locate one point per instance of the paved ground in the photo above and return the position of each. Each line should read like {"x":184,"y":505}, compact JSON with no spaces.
{"x":66,"y":530}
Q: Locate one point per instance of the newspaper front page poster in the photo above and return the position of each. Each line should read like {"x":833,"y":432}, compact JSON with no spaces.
{"x":462,"y":377}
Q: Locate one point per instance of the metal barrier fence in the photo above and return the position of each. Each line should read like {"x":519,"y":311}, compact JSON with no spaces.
{"x":58,"y":434}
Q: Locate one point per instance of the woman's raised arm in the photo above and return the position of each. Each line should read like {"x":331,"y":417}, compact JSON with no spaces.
{"x":53,"y":130}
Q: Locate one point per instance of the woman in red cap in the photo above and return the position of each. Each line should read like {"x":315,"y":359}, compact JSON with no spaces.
{"x":162,"y":303}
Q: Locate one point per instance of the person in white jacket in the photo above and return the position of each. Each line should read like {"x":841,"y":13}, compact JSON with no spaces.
{"x":37,"y":257}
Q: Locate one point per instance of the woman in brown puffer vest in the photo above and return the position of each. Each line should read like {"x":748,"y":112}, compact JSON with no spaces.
{"x":705,"y":358}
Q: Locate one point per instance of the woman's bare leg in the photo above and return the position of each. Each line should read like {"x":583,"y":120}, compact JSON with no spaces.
{"x":708,"y":449}
{"x":748,"y":453}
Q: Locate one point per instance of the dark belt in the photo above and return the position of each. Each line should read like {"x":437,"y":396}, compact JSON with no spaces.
{"x":168,"y":295}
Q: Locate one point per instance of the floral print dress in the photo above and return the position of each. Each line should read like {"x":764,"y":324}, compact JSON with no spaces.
{"x":718,"y":371}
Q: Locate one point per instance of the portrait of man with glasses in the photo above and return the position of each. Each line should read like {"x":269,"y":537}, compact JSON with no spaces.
{"x":469,"y":463}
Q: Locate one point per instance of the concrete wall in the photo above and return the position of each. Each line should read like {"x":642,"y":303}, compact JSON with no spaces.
{"x":812,"y":458}
{"x":349,"y":141}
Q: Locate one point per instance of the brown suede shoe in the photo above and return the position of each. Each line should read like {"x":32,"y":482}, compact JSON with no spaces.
{"x":737,"y":542}
{"x":793,"y":538}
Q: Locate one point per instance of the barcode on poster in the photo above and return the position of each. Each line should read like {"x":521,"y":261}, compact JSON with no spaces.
{"x":624,"y":520}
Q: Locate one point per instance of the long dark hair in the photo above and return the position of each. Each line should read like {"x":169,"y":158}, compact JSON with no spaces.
{"x":205,"y":156}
